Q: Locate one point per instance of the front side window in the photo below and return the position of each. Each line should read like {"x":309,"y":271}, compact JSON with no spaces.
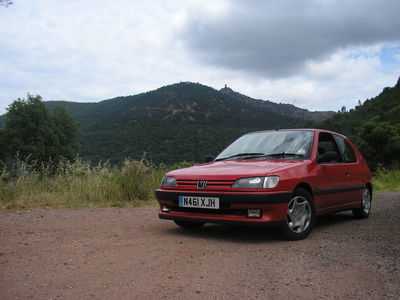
{"x":346,"y":150}
{"x":326,"y":143}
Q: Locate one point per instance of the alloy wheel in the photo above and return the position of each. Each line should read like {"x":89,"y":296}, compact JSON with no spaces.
{"x":366,"y":200}
{"x":298,"y":214}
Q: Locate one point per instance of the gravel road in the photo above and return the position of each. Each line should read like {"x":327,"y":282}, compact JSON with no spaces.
{"x":131,"y":254}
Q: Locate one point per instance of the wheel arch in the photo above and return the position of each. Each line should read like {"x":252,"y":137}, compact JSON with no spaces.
{"x":369,"y":186}
{"x":289,"y":230}
{"x":305,"y":186}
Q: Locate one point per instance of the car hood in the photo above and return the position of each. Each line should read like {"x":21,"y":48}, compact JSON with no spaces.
{"x":234,"y":169}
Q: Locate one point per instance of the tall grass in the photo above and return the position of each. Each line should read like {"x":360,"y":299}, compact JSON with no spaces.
{"x":78,"y":184}
{"x":386,"y":180}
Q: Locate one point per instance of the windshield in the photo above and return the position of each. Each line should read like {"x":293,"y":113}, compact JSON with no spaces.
{"x":289,"y":144}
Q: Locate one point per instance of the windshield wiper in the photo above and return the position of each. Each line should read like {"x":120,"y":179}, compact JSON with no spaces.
{"x":283,"y":154}
{"x":251,"y":154}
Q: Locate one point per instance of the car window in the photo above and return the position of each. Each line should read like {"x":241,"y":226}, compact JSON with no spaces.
{"x":346,"y":150}
{"x":297,"y":142}
{"x":326,"y":143}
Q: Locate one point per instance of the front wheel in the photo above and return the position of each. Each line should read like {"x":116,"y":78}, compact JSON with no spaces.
{"x":366,"y":201}
{"x":188,"y":224}
{"x":300,"y":216}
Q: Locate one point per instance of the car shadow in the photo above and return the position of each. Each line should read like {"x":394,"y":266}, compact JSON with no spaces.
{"x":232,"y":233}
{"x":334,"y":220}
{"x":251,"y":234}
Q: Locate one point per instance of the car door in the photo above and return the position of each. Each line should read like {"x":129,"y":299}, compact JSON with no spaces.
{"x":354,"y":182}
{"x":334,"y":177}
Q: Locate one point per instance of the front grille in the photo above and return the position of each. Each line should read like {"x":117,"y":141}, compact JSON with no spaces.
{"x":212,"y":185}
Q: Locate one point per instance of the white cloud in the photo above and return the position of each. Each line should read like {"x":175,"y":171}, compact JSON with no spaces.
{"x":93,"y":50}
{"x":339,"y":67}
{"x":341,"y":80}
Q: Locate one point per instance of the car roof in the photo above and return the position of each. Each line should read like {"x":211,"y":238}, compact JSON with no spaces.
{"x":300,"y":129}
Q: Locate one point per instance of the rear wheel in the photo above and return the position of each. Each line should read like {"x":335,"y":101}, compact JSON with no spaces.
{"x":366,"y":201}
{"x":188,"y":224}
{"x":300,"y":216}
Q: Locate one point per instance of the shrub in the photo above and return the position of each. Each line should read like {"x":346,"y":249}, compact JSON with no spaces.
{"x":27,"y":184}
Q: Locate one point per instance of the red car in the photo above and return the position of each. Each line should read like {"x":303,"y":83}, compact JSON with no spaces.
{"x":277,"y":177}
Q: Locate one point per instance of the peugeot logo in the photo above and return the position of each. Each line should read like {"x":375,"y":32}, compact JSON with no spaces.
{"x":201,"y":184}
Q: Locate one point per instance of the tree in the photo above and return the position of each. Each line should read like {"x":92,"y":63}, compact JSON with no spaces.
{"x":379,"y":142}
{"x":66,"y":129}
{"x":32,"y":133}
{"x":3,"y":145}
{"x":5,"y":3}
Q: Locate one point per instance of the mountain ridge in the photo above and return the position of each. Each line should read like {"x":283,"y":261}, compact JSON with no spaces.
{"x":189,"y":121}
{"x":282,"y":108}
{"x":182,"y":121}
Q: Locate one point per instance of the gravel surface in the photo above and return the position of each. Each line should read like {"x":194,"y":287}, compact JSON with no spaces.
{"x":131,"y":254}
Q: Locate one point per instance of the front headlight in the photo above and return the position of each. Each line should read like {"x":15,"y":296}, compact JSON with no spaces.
{"x":267,"y":182}
{"x":168,"y":182}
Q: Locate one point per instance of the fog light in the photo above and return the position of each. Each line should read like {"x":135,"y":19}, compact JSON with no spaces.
{"x":254,"y":213}
{"x":164,"y":208}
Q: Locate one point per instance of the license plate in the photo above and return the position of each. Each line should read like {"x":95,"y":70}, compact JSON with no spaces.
{"x":199,"y":202}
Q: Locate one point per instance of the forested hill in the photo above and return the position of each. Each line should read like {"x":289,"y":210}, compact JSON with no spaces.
{"x":183,"y":121}
{"x":282,"y":108}
{"x":188,"y":121}
{"x":374,"y":126}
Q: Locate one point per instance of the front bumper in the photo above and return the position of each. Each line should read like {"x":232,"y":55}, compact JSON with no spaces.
{"x":233,"y":207}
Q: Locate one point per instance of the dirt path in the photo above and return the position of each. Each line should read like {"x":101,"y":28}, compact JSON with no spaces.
{"x":131,"y":254}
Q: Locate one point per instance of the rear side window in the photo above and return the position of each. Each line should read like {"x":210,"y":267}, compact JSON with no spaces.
{"x":345,"y":149}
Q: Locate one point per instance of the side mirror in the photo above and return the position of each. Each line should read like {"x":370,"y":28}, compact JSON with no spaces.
{"x":328,"y":157}
{"x":210,"y":158}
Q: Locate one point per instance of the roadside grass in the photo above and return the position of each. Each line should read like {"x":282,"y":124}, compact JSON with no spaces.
{"x":78,"y":184}
{"x":385,"y":180}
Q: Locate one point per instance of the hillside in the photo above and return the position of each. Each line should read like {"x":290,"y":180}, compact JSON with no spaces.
{"x":374,"y":126}
{"x":383,"y":108}
{"x":281,"y":108}
{"x":183,"y":121}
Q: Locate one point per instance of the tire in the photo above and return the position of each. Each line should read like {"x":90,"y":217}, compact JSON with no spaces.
{"x":189,"y":224}
{"x":300,"y":217}
{"x":366,"y":201}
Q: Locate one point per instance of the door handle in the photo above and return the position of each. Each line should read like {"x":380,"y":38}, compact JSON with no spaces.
{"x":347,"y":173}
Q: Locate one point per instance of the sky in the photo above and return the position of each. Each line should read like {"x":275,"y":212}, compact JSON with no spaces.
{"x":315,"y":54}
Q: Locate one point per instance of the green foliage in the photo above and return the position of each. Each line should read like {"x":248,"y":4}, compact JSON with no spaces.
{"x":188,"y":122}
{"x":66,"y":129}
{"x":31,"y":132}
{"x":3,"y":145}
{"x":380,"y":141}
{"x":180,"y":122}
{"x":374,"y":127}
{"x":78,"y":183}
{"x":385,"y":180}
{"x":29,"y":129}
{"x":182,"y":164}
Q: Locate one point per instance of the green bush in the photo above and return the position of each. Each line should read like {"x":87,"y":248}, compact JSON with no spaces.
{"x":29,"y":184}
{"x":78,"y":184}
{"x":385,"y":180}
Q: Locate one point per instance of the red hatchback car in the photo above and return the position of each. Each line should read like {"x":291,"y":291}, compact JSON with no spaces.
{"x":278,"y":177}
